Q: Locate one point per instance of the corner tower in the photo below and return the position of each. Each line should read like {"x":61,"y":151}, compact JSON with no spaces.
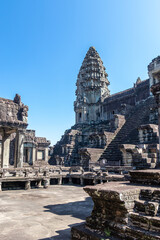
{"x":92,"y":88}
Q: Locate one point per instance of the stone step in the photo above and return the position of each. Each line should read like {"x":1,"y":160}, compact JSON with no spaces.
{"x":80,"y":232}
{"x":144,"y":222}
{"x":128,"y":133}
{"x":147,"y":207}
{"x":136,"y":233}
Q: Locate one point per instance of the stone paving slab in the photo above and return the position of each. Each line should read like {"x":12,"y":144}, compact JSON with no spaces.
{"x":42,"y":214}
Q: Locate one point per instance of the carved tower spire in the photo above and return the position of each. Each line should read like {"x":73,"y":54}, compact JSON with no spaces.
{"x":92,"y":88}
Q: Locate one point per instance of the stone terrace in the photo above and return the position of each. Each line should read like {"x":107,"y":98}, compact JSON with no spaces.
{"x":42,"y":214}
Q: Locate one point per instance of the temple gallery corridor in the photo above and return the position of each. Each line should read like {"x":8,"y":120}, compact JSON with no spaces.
{"x":42,"y":214}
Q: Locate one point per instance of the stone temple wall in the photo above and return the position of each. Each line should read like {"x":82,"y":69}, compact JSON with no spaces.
{"x":123,"y":102}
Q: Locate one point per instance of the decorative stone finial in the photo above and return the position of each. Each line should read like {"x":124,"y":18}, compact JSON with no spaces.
{"x":17,"y":99}
{"x":138,"y":80}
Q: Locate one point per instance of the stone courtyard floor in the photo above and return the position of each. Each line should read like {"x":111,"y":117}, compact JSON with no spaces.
{"x":42,"y":214}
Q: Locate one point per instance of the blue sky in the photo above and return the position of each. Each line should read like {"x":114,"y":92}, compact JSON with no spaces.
{"x":43,"y":43}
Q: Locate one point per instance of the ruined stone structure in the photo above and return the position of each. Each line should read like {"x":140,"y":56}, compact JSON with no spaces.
{"x":130,"y":210}
{"x":110,"y":130}
{"x":124,"y":210}
{"x":35,"y":149}
{"x":19,"y":147}
{"x":154,"y":73}
{"x":13,"y":122}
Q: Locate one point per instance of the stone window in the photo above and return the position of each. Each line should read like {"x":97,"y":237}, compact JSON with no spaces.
{"x":80,"y":116}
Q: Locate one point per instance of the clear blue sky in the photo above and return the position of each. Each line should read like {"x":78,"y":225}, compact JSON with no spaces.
{"x":43,"y":43}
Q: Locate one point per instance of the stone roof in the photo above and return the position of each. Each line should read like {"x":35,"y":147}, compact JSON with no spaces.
{"x":13,"y":113}
{"x":42,"y":140}
{"x":92,"y":67}
{"x":31,"y":138}
{"x":126,"y":92}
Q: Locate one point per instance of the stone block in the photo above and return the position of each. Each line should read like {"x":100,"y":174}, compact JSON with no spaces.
{"x":138,"y":220}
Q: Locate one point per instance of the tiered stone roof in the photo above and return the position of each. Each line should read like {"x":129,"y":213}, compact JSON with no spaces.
{"x":92,"y":73}
{"x":13,"y":112}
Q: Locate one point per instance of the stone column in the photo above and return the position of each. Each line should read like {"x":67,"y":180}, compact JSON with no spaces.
{"x":33,"y":155}
{"x":27,"y":185}
{"x":60,"y":181}
{"x":154,"y":75}
{"x":95,"y":180}
{"x":159,"y":130}
{"x":19,"y":147}
{"x":46,"y":154}
{"x":70,"y":180}
{"x":29,"y":155}
{"x":155,"y":89}
{"x":5,"y":150}
{"x":39,"y":183}
{"x":81,"y":181}
{"x":46,"y":182}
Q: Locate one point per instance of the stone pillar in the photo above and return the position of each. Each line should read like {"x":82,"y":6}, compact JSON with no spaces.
{"x":5,"y":151}
{"x":101,"y":179}
{"x":70,"y":180}
{"x":30,"y":155}
{"x":46,"y":182}
{"x":95,"y":180}
{"x":33,"y":155}
{"x":19,"y":147}
{"x":60,"y":181}
{"x":39,"y":183}
{"x":27,"y":185}
{"x":0,"y":186}
{"x":46,"y":154}
{"x":159,"y":129}
{"x":155,"y":89}
{"x":81,"y":181}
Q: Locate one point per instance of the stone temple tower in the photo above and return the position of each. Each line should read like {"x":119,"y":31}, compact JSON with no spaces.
{"x":92,"y":89}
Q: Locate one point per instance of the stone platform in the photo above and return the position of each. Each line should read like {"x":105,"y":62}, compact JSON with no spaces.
{"x":42,"y":214}
{"x":125,"y":210}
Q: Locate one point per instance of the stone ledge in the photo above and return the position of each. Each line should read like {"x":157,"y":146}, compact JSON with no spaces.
{"x":80,"y":232}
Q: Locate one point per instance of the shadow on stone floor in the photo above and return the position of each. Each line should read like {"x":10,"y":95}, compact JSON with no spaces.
{"x":63,"y":234}
{"x":79,"y":209}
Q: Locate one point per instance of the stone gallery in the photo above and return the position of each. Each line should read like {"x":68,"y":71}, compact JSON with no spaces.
{"x":113,"y":146}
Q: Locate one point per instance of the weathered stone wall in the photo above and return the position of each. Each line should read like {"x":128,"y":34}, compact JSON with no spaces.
{"x":13,"y":111}
{"x":123,"y":102}
{"x":123,"y":210}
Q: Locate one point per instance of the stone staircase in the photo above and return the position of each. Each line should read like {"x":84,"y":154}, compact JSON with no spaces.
{"x":129,"y":211}
{"x":128,"y":133}
{"x":144,"y":221}
{"x":94,"y":154}
{"x":148,"y":158}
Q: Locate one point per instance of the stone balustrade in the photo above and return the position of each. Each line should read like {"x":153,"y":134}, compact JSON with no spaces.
{"x":12,"y":178}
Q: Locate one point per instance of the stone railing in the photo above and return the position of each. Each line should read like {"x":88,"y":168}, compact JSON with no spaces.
{"x":38,"y":177}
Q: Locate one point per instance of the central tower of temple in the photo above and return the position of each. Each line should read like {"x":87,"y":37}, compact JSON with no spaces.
{"x":92,"y":88}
